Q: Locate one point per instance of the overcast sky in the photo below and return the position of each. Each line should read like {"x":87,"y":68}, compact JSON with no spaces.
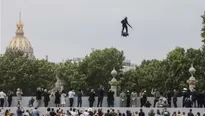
{"x":65,"y":29}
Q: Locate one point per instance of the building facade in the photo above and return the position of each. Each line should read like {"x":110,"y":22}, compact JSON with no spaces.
{"x":20,"y":42}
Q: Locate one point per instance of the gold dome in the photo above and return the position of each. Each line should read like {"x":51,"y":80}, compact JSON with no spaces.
{"x":20,"y":42}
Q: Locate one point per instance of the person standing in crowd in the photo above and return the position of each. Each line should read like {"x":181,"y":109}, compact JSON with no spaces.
{"x":156,"y":95}
{"x":91,"y":98}
{"x":165,"y":112}
{"x":2,"y":98}
{"x":128,"y":98}
{"x":20,"y":111}
{"x":63,"y":98}
{"x":134,"y":99}
{"x":122,"y":99}
{"x":79,"y":95}
{"x":151,"y":113}
{"x":71,"y":95}
{"x":38,"y":96}
{"x":204,"y":99}
{"x":100,"y":96}
{"x":143,"y":98}
{"x":19,"y":94}
{"x":186,"y":95}
{"x":190,"y":113}
{"x":169,"y":98}
{"x":200,"y":99}
{"x":175,"y":98}
{"x":36,"y":112}
{"x":141,"y":113}
{"x":194,"y":97}
{"x":57,"y":98}
{"x":110,"y":98}
{"x":10,"y":97}
{"x":52,"y":113}
{"x":46,"y":96}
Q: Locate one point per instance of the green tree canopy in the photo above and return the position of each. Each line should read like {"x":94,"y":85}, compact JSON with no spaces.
{"x":98,"y":65}
{"x":203,"y":28}
{"x":17,"y":71}
{"x":70,"y":74}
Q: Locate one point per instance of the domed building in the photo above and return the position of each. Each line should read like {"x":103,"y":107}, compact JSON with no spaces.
{"x":20,"y":42}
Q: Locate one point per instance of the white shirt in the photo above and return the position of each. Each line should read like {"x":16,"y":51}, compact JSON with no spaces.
{"x":26,"y":114}
{"x":86,"y":114}
{"x":74,"y":113}
{"x":71,"y":94}
{"x":2,"y":95}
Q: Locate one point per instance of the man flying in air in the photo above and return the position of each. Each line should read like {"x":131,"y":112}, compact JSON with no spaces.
{"x":124,"y":25}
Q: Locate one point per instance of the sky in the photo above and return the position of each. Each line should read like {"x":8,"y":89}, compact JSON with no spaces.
{"x":65,"y":29}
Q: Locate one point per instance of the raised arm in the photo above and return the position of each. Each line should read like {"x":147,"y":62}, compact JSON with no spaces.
{"x":129,"y":25}
{"x":152,"y":92}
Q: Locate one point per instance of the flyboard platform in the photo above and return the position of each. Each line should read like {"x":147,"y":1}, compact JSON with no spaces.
{"x":124,"y":34}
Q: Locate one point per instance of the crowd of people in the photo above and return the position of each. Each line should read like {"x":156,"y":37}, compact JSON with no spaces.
{"x":127,"y":99}
{"x":92,"y":112}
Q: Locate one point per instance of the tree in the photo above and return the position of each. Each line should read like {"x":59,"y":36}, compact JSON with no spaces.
{"x":98,"y":65}
{"x":17,"y":71}
{"x":70,"y":74}
{"x":203,"y":28}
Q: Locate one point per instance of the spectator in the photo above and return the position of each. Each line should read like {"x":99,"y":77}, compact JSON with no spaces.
{"x":7,"y":113}
{"x":148,"y":104}
{"x":10,"y":96}
{"x":48,"y":111}
{"x":198,"y":114}
{"x":71,"y":95}
{"x":38,"y":96}
{"x":165,"y":112}
{"x":183,"y":114}
{"x":36,"y":112}
{"x":63,"y":98}
{"x":141,"y":113}
{"x":86,"y":113}
{"x":179,"y":113}
{"x":20,"y":111}
{"x":151,"y":113}
{"x":27,"y":113}
{"x":2,"y":98}
{"x":174,"y":114}
{"x":57,"y":98}
{"x":52,"y":113}
{"x":46,"y":96}
{"x":79,"y":95}
{"x":19,"y":94}
{"x":31,"y":101}
{"x":160,"y":103}
{"x":158,"y":113}
{"x":190,"y":113}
